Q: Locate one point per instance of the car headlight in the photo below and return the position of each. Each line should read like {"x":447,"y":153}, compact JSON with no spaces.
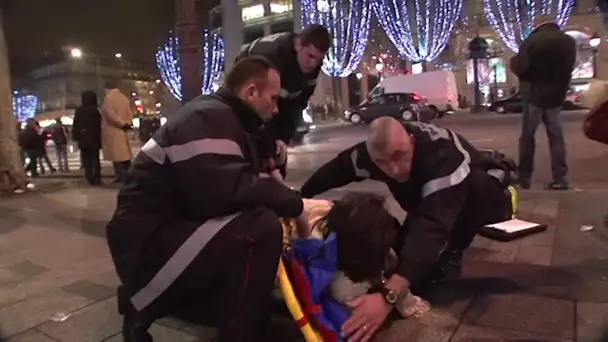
{"x":347,"y":113}
{"x":306,"y":117}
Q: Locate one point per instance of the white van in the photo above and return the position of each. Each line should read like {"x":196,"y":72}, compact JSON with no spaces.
{"x":437,"y":87}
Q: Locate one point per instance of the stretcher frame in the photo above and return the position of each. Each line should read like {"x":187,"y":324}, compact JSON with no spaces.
{"x":309,"y":332}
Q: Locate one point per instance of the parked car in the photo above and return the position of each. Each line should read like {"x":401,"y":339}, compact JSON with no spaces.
{"x":515,"y":104}
{"x":403,"y":106}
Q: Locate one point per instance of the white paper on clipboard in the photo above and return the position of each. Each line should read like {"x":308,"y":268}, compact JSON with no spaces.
{"x":513,"y":225}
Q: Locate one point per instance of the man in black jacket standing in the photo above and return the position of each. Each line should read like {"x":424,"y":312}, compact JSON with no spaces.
{"x":544,"y":66}
{"x":196,"y":228}
{"x":446,"y":186}
{"x":298,"y":57}
{"x":86,"y":131}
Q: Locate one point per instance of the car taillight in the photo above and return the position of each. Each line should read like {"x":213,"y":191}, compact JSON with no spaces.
{"x":417,"y":97}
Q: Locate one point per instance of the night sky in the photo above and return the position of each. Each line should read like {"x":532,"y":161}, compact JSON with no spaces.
{"x":132,"y":27}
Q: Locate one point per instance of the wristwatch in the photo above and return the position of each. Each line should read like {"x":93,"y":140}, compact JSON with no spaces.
{"x":390,"y":296}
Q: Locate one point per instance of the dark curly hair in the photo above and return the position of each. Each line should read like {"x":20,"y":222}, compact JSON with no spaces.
{"x":365,"y":233}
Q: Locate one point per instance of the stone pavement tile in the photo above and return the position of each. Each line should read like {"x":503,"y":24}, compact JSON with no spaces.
{"x":90,"y":324}
{"x":204,"y":334}
{"x":27,"y":268}
{"x":162,"y":334}
{"x":109,"y":278}
{"x":497,"y":251}
{"x":525,"y":209}
{"x":472,"y":333}
{"x":559,"y":282}
{"x":545,"y":239}
{"x":34,"y":311}
{"x":13,"y":292}
{"x":30,"y":336}
{"x":172,"y":322}
{"x":535,"y":255}
{"x":448,"y":305}
{"x":545,"y":211}
{"x":532,"y":314}
{"x":28,"y":237}
{"x":592,"y":322}
{"x":89,"y":290}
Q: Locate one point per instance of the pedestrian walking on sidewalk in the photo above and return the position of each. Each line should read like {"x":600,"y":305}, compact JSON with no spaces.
{"x":43,"y":154}
{"x":61,"y":138}
{"x":544,"y":66}
{"x":116,"y":118}
{"x":86,"y":131}
{"x":29,"y":141}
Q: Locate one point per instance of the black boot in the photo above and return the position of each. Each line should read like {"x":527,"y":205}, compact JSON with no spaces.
{"x":448,"y":268}
{"x":135,"y":326}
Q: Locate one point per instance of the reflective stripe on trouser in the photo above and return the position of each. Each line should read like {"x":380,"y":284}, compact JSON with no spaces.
{"x":179,"y":261}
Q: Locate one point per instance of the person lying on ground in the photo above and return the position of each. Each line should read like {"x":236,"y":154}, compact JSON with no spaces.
{"x":447,"y":187}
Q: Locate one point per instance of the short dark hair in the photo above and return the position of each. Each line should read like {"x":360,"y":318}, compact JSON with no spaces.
{"x":112,"y":84}
{"x":365,"y":231}
{"x":252,"y":68}
{"x":317,"y":36}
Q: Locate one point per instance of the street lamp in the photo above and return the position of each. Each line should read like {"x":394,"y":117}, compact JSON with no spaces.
{"x":594,"y":42}
{"x":118,"y":55}
{"x":76,"y":53}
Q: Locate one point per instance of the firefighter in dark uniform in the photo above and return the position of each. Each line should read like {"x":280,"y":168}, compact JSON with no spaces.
{"x":446,"y":186}
{"x":298,"y":57}
{"x":196,"y":230}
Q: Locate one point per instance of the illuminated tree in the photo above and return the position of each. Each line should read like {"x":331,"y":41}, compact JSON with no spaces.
{"x":513,"y":20}
{"x":167,"y":61}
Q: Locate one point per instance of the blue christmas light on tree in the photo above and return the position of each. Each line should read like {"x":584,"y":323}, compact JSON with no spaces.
{"x":348,"y":22}
{"x":513,"y":20}
{"x":420,"y":29}
{"x":212,"y":56}
{"x":24,"y":106}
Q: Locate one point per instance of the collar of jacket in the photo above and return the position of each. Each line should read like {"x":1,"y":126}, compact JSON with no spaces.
{"x":248,"y":117}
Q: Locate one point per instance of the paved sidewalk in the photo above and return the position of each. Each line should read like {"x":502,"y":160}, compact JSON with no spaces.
{"x":57,"y":282}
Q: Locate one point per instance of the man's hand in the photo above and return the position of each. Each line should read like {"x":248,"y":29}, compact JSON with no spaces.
{"x":369,"y":312}
{"x":281,"y":147}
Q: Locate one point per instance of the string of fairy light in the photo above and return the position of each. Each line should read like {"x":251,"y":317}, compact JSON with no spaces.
{"x":212,"y":59}
{"x":419,"y":30}
{"x":24,"y":106}
{"x":513,"y":23}
{"x":348,"y":23}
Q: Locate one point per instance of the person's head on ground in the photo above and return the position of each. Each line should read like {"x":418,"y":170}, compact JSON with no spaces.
{"x":365,"y":234}
{"x":111,"y":84}
{"x":88,"y":98}
{"x":391,"y":148}
{"x":257,"y":83}
{"x":311,"y":46}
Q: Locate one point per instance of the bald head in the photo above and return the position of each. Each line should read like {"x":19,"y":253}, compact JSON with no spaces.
{"x":391,"y":147}
{"x":385,"y":132}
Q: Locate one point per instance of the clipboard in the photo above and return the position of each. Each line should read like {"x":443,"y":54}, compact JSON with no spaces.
{"x":511,"y":229}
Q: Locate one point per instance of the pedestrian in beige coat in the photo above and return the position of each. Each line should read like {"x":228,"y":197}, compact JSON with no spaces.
{"x":116,"y":118}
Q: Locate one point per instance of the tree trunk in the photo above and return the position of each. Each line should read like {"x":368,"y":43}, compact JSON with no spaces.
{"x":12,"y":175}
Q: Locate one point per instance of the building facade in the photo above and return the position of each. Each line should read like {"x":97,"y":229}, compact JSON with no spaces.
{"x":58,"y":83}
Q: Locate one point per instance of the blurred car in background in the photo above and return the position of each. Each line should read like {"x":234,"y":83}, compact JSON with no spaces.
{"x":402,"y":106}
{"x":515,"y":104}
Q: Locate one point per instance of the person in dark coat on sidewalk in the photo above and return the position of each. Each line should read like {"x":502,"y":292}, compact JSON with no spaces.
{"x":29,"y":141}
{"x":86,"y":131}
{"x":544,"y":66}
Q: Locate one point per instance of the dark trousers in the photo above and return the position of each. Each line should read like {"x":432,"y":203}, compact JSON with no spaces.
{"x":44,"y":158}
{"x":485,"y":202}
{"x":90,"y":162}
{"x":62,"y":157}
{"x":532,"y":117}
{"x":121,"y":169}
{"x":31,"y":166}
{"x":228,"y":284}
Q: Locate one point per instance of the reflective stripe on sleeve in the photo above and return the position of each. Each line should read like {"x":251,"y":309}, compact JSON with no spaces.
{"x":498,"y":174}
{"x":358,"y":171}
{"x":177,"y":153}
{"x":453,"y":179}
{"x":176,"y":265}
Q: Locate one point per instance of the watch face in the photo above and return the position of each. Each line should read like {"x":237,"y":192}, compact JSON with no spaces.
{"x":392,"y":297}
